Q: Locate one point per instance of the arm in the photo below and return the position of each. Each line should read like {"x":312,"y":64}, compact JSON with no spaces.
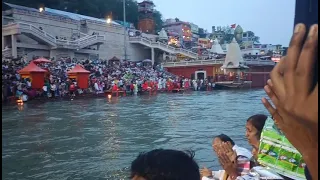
{"x":311,"y":159}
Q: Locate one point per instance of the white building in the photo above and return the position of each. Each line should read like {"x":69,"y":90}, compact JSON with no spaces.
{"x":53,"y":34}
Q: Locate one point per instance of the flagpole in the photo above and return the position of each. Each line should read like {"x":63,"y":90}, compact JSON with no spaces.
{"x":124,"y":30}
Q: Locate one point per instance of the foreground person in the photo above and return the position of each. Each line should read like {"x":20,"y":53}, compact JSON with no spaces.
{"x":239,"y":155}
{"x":295,"y":98}
{"x":254,"y":128}
{"x":165,"y":164}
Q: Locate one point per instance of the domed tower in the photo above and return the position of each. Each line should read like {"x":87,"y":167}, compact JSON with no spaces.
{"x":146,"y":22}
{"x":238,"y":33}
{"x":234,"y":60}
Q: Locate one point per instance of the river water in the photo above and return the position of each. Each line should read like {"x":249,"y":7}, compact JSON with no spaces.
{"x":98,"y":139}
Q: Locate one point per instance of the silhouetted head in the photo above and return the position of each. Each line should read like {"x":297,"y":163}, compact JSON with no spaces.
{"x":165,"y":164}
{"x":222,"y":138}
{"x":254,"y":128}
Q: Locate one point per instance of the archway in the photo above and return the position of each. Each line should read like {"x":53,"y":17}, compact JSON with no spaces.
{"x":200,"y":75}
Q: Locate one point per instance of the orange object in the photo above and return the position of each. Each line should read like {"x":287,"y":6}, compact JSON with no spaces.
{"x":81,"y":75}
{"x":145,"y":86}
{"x":41,"y":60}
{"x":115,"y":87}
{"x":20,"y":102}
{"x":35,"y":73}
{"x":72,"y":87}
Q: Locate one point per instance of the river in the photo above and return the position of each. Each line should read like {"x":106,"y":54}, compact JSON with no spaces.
{"x":98,"y":139}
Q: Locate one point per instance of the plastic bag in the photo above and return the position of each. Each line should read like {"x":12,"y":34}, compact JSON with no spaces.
{"x":277,"y":153}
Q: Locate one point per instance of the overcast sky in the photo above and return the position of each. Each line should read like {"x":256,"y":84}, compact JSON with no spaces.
{"x":272,"y":20}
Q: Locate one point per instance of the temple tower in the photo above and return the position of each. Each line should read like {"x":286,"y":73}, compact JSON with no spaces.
{"x":146,"y":22}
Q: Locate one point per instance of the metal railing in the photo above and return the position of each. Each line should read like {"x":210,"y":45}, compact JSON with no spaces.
{"x":81,"y":42}
{"x":215,"y":61}
{"x":163,"y":46}
{"x":258,"y":62}
{"x":37,"y":31}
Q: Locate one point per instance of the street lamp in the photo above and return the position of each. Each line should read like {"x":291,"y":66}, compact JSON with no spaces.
{"x":124,"y":30}
{"x":109,"y":20}
{"x":41,"y":9}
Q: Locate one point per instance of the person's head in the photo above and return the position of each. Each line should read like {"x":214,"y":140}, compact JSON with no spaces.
{"x":254,"y":128}
{"x":222,"y":138}
{"x":165,"y":164}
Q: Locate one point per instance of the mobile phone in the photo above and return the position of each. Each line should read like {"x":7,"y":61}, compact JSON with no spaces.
{"x":306,"y":12}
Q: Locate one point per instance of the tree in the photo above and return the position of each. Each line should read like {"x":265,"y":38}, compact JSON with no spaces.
{"x":157,"y":16}
{"x":227,"y":38}
{"x":253,"y":37}
{"x":256,"y":39}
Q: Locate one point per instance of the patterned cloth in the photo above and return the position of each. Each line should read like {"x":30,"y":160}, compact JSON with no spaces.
{"x":243,"y":165}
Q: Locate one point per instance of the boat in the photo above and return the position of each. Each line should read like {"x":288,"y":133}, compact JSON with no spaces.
{"x":232,"y":85}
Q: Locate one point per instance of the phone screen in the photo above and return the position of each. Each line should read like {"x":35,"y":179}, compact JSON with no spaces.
{"x":306,"y":12}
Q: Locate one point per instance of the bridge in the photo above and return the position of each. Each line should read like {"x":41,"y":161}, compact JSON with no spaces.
{"x":162,"y":46}
{"x":48,"y":39}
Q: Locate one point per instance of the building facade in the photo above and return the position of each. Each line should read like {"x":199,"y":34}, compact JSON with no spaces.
{"x":54,"y":34}
{"x":182,"y":29}
{"x":146,"y":22}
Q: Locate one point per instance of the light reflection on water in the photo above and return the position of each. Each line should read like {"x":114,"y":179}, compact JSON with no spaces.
{"x":97,"y":138}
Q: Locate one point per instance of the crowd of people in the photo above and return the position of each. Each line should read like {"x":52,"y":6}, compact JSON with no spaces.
{"x":131,"y":77}
{"x":293,"y":90}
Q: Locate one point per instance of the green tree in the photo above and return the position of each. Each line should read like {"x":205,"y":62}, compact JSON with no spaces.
{"x":157,"y":16}
{"x":254,"y":38}
{"x":227,"y":38}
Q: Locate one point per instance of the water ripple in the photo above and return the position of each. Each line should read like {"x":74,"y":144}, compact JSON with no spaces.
{"x":97,"y":139}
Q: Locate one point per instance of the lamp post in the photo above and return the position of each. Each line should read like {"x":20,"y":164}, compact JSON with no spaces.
{"x":41,"y":9}
{"x":109,"y":20}
{"x":124,"y":30}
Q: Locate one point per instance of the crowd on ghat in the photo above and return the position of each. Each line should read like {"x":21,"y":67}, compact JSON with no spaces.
{"x":291,"y":89}
{"x":128,"y":76}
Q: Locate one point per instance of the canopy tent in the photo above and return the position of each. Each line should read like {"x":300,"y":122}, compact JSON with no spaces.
{"x":78,"y":69}
{"x":35,"y":73}
{"x":147,"y":60}
{"x":81,"y":75}
{"x":32,"y":67}
{"x":114,"y":59}
{"x":41,"y":60}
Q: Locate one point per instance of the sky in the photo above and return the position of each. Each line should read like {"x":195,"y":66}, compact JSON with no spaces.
{"x":271,"y":20}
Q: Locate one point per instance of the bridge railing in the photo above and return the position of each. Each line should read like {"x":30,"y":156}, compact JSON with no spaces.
{"x":37,"y":31}
{"x":162,"y":45}
{"x":83,"y":41}
{"x":216,"y":61}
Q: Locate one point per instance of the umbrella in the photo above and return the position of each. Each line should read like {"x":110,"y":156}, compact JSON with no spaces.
{"x":41,"y":60}
{"x":146,"y":60}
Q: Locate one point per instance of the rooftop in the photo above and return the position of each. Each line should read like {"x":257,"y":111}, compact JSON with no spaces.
{"x":70,"y":15}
